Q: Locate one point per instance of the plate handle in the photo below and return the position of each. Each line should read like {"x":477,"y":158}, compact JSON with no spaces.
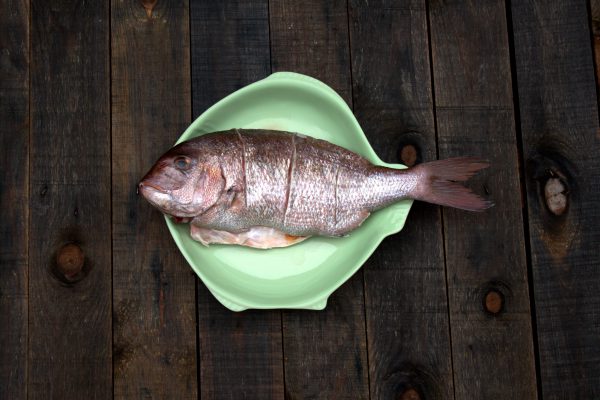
{"x":305,"y":78}
{"x":319,"y":305}
{"x":229,"y":304}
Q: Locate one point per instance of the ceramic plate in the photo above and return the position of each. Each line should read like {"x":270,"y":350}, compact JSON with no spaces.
{"x":303,"y":275}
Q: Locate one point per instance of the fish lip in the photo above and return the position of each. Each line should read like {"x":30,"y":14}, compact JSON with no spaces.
{"x":147,"y":189}
{"x":145,"y":185}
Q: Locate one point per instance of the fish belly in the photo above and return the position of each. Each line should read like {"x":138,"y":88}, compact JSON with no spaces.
{"x":260,"y":237}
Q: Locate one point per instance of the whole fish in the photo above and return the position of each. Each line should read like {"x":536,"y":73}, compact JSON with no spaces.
{"x":264,"y":188}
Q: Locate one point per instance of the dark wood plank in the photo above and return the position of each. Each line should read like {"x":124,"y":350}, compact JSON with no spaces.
{"x":405,"y":287}
{"x":240,"y":353}
{"x":230,"y":48}
{"x":154,"y":288}
{"x":492,"y":340}
{"x":70,"y":329}
{"x":595,"y":16}
{"x":325,"y":351}
{"x":14,"y":196}
{"x":312,"y":38}
{"x":561,"y":143}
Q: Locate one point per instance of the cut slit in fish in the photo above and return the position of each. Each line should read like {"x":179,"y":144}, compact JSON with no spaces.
{"x":260,"y":237}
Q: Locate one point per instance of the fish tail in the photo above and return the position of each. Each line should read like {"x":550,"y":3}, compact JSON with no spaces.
{"x":439,"y":183}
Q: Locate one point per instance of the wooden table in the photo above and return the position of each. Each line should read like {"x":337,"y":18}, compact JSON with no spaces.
{"x":498,"y":305}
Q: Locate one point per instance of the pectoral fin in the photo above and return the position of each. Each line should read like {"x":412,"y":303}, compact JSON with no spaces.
{"x":259,"y":237}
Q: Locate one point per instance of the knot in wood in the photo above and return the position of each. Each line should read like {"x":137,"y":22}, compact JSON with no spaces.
{"x":408,"y":155}
{"x":555,"y":194}
{"x":494,"y":302}
{"x":69,"y":260}
{"x":149,"y":6}
{"x":410,"y":394}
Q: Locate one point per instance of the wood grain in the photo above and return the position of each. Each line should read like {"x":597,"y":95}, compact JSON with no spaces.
{"x":595,"y":17}
{"x":14,"y":197}
{"x":69,"y":321}
{"x":230,"y":48}
{"x":405,"y":289}
{"x":325,"y":351}
{"x":240,"y":354}
{"x":154,"y":288}
{"x":492,"y":352}
{"x":408,"y":325}
{"x":561,"y":140}
{"x":312,"y":38}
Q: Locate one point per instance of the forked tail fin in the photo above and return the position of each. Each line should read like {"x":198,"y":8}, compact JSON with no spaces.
{"x":439,"y":183}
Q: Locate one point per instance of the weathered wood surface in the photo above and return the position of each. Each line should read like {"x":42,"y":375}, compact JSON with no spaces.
{"x":405,"y":290}
{"x":240,"y":354}
{"x":153,"y":288}
{"x":97,"y":302}
{"x":230,"y":48}
{"x":14,"y":196}
{"x":325,"y":352}
{"x":492,"y":344}
{"x":561,"y":142}
{"x":595,"y":17}
{"x":70,"y":302}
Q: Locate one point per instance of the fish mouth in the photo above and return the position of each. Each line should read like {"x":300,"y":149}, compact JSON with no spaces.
{"x":154,"y":194}
{"x":145,"y":186}
{"x":162,"y":199}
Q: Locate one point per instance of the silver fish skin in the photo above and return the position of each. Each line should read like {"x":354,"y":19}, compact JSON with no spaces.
{"x":232,"y":181}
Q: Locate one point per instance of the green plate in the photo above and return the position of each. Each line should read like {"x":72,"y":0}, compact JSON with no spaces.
{"x":303,"y":275}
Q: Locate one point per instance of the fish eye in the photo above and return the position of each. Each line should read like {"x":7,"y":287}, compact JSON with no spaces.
{"x":183,"y":163}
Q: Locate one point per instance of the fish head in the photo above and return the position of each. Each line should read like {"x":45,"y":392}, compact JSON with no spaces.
{"x":184,"y":182}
